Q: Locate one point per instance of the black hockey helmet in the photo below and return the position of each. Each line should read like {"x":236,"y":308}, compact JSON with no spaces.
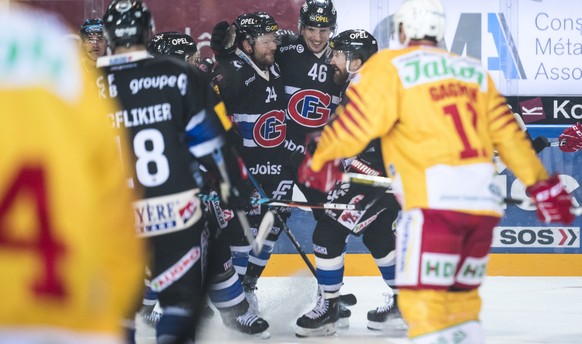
{"x":318,"y":13}
{"x":251,"y":25}
{"x":91,"y":26}
{"x":172,"y":43}
{"x":355,"y":43}
{"x":127,"y":23}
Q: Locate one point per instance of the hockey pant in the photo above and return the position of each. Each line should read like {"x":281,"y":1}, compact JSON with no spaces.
{"x":444,"y":258}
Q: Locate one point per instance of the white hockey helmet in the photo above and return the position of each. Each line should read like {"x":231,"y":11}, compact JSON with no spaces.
{"x":421,"y":18}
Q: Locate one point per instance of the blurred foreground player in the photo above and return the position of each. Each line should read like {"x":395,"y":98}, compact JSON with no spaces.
{"x":70,"y":264}
{"x":439,"y":118}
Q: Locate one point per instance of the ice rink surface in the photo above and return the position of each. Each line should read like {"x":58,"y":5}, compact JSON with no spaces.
{"x":516,"y":310}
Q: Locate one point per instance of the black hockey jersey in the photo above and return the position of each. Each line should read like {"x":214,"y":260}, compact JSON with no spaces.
{"x":311,"y":93}
{"x":255,"y":99}
{"x":168,"y":111}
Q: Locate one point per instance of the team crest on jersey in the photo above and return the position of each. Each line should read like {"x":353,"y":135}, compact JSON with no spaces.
{"x":270,"y":129}
{"x":310,"y":108}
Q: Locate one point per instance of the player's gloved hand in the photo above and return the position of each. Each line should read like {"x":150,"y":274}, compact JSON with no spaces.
{"x":325,"y":179}
{"x":206,"y":65}
{"x":552,"y":201}
{"x":571,"y":138}
{"x":223,"y":38}
{"x":236,"y":190}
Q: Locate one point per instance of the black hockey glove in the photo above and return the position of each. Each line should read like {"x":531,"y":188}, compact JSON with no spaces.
{"x":231,"y":178}
{"x":223,"y":39}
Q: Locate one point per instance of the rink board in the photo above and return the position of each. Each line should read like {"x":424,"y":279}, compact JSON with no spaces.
{"x":499,"y":265}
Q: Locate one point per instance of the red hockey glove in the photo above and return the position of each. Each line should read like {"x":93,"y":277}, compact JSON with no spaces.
{"x":552,"y":201}
{"x":571,"y":138}
{"x":326,"y":178}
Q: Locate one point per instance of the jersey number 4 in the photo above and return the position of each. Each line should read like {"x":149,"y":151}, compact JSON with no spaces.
{"x":29,"y":184}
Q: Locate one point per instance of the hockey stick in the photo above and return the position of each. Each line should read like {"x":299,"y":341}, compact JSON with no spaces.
{"x":365,"y":179}
{"x":290,"y":203}
{"x":224,"y":188}
{"x":346,"y":299}
{"x":386,"y":183}
{"x":577,"y":211}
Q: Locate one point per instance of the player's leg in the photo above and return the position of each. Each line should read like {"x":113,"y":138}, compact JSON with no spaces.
{"x":177,"y":277}
{"x":329,"y":243}
{"x":279,"y":188}
{"x":226,"y":292}
{"x":379,"y":237}
{"x":441,"y":261}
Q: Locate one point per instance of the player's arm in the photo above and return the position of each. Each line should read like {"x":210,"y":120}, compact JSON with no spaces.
{"x":512,"y":144}
{"x":362,"y":116}
{"x":552,"y":201}
{"x":211,"y":139}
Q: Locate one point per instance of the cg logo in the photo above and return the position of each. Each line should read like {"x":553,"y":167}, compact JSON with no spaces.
{"x":270,"y":129}
{"x":310,"y":108}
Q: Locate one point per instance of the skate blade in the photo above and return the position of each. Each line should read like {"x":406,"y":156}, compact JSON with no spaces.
{"x":263,"y":335}
{"x":342,"y":323}
{"x":393,"y":325}
{"x":325,"y":330}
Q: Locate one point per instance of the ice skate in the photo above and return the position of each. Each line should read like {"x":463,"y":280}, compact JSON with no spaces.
{"x":248,"y":323}
{"x":150,"y":315}
{"x":344,"y":317}
{"x":321,"y":320}
{"x":387,"y":316}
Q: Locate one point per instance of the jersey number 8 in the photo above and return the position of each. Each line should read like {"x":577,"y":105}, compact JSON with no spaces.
{"x":152,"y":167}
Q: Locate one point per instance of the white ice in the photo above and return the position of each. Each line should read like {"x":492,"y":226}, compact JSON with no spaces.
{"x":516,"y":310}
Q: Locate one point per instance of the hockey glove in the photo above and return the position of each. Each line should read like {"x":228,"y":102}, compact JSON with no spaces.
{"x":571,"y":138}
{"x":552,"y":201}
{"x":325,"y":179}
{"x":223,"y":39}
{"x":230,"y":177}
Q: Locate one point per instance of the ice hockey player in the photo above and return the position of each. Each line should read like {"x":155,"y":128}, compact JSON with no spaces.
{"x":251,"y":85}
{"x":173,"y":43}
{"x":171,"y":118}
{"x":71,"y":264}
{"x":311,"y":95}
{"x":225,"y":289}
{"x":93,"y":42}
{"x":350,"y":50}
{"x":439,"y":118}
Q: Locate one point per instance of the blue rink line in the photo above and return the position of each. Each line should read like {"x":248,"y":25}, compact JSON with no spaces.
{"x":550,"y":131}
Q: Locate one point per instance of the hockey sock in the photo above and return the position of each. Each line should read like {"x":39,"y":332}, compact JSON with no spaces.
{"x":176,"y":326}
{"x":240,"y":258}
{"x":387,"y":267}
{"x":258,"y":262}
{"x":225,"y":290}
{"x":432,"y":314}
{"x":330,"y":274}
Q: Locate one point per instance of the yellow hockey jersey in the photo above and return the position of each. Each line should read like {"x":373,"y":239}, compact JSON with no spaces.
{"x":440,"y":118}
{"x":69,"y":257}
